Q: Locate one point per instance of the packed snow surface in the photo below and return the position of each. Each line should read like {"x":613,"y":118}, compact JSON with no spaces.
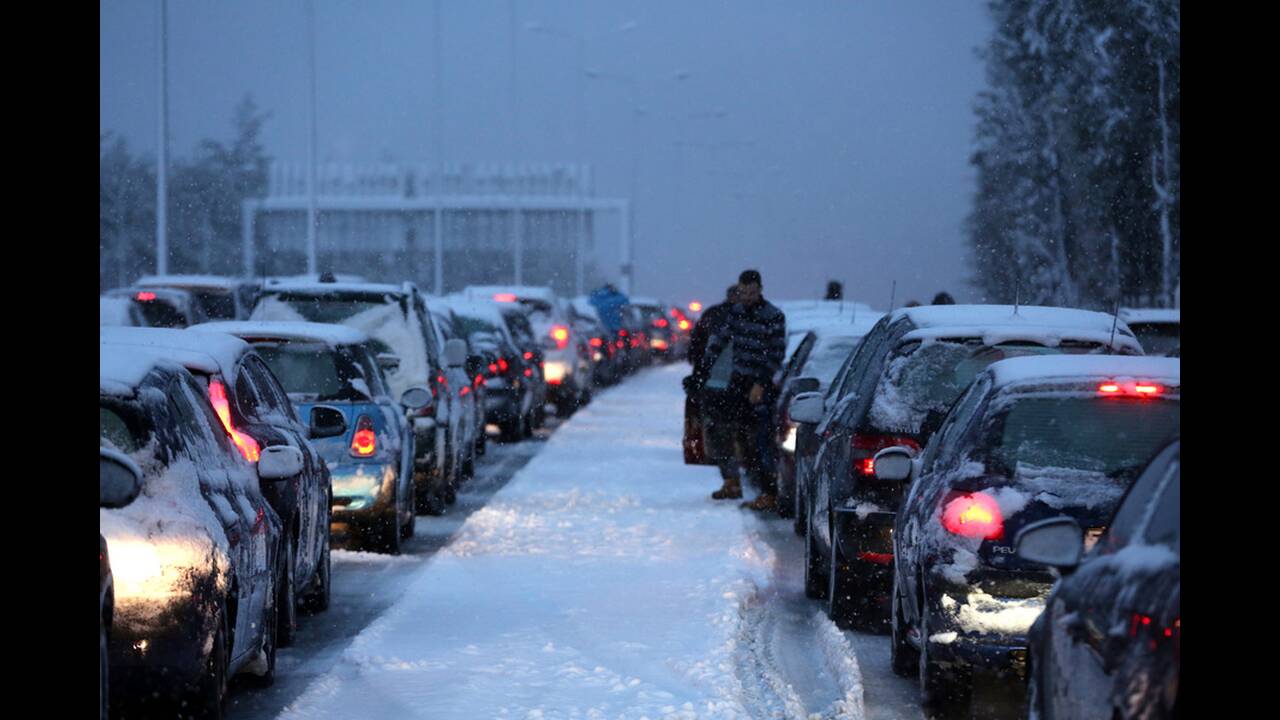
{"x":601,"y":582}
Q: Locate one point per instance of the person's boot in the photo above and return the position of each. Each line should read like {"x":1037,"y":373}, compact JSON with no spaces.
{"x":731,"y":490}
{"x":762,"y":502}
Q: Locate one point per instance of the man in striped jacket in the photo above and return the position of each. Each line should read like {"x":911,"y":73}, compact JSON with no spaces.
{"x":757,"y":333}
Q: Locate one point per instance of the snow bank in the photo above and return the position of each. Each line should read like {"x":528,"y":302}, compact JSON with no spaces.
{"x":601,"y":582}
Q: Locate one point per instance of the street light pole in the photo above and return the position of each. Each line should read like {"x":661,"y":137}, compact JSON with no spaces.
{"x":437,"y":230}
{"x":517,"y":225}
{"x":162,"y":152}
{"x":311,"y":139}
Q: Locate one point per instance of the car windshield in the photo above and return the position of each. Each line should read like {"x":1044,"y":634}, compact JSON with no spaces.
{"x":1158,"y":338}
{"x":159,"y":313}
{"x":314,"y":372}
{"x":929,"y":377}
{"x":1104,"y":435}
{"x":467,"y":326}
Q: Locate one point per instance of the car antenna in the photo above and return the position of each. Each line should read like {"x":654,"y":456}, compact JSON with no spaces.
{"x":893,"y":289}
{"x":1115,"y":320}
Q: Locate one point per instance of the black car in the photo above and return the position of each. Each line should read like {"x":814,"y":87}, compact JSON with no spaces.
{"x":256,"y":413}
{"x":196,"y":559}
{"x":1108,"y":643}
{"x":1031,"y":438}
{"x":896,"y":389}
{"x":514,"y":389}
{"x":119,"y":482}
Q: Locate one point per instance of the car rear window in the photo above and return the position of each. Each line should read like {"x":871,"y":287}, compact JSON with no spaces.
{"x":928,"y":377}
{"x":1158,"y":338}
{"x":825,"y":360}
{"x":328,"y":308}
{"x":1115,"y":437}
{"x":159,"y":313}
{"x":313,"y":372}
{"x":216,"y":304}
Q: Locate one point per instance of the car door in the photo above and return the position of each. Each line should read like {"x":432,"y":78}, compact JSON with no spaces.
{"x":311,"y":488}
{"x":1077,"y":683}
{"x":211,"y":452}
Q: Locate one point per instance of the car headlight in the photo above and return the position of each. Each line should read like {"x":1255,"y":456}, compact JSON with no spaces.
{"x":155,"y":570}
{"x":789,"y":442}
{"x":554,"y":371}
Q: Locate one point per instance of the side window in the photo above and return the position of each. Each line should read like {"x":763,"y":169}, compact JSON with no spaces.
{"x":868,"y":349}
{"x":364,"y":359}
{"x":1134,"y":506}
{"x":270,"y":393}
{"x":247,"y":397}
{"x":197,"y":437}
{"x":800,"y":355}
{"x":1164,"y":525}
{"x":943,"y":442}
{"x":428,"y":329}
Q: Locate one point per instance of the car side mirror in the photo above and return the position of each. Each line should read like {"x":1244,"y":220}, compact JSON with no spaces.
{"x":388,"y":361}
{"x":893,"y":464}
{"x":278,"y":462}
{"x":807,"y":408}
{"x":1057,"y":542}
{"x":455,"y":352}
{"x":327,"y":422}
{"x":805,"y":384}
{"x":119,"y":479}
{"x":416,"y":398}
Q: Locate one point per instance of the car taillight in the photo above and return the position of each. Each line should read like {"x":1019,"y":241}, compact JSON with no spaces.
{"x":864,"y":448}
{"x":660,"y":322}
{"x":145,"y":296}
{"x":503,"y":365}
{"x":218,"y":398}
{"x":365,"y":441}
{"x":528,"y":354}
{"x":684,"y":324}
{"x":596,"y":342}
{"x":560,"y":334}
{"x":1140,"y":388}
{"x":974,"y":515}
{"x":504,"y":297}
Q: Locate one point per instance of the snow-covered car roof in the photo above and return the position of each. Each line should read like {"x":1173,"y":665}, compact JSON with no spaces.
{"x":192,"y":281}
{"x":115,"y":311}
{"x":121,"y":370}
{"x":207,"y":352}
{"x":312,"y":286}
{"x":285,"y":330}
{"x":853,"y":329}
{"x":488,"y":310}
{"x":1075,"y":368}
{"x":583,"y":307}
{"x":998,"y":323}
{"x":486,"y":292}
{"x":1151,"y":315}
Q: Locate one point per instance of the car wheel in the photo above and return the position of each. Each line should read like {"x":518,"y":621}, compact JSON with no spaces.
{"x":104,"y":685}
{"x":815,"y":578}
{"x":1034,"y":709}
{"x":802,"y":517}
{"x":939,"y":688}
{"x":526,"y":429}
{"x":209,"y":701}
{"x":407,"y":530}
{"x":286,"y":600}
{"x":318,"y":599}
{"x":432,"y":502}
{"x":482,"y":442}
{"x":902,"y":655}
{"x":385,"y":533}
{"x":469,"y":468}
{"x":512,"y":430}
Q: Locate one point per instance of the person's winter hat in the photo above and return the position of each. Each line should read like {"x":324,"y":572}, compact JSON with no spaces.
{"x":750,"y":277}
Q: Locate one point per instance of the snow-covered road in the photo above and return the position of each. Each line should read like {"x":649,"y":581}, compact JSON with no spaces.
{"x":602,"y":581}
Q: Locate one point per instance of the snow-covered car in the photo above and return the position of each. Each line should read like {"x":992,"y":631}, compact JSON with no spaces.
{"x":219,"y":297}
{"x":664,"y":342}
{"x":397,"y":317}
{"x":565,"y":371}
{"x":809,"y":368}
{"x":118,"y":311}
{"x":195,"y":559}
{"x":1159,"y":330}
{"x":461,"y":381}
{"x":1032,"y":438}
{"x":1108,"y":643}
{"x":256,"y":414}
{"x":896,"y":389}
{"x":330,"y":374}
{"x":157,"y":307}
{"x":513,"y":387}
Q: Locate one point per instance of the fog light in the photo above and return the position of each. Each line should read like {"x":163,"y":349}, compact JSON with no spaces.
{"x":140,"y":647}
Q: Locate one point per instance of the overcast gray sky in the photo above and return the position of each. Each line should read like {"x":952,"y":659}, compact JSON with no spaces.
{"x":842,"y":149}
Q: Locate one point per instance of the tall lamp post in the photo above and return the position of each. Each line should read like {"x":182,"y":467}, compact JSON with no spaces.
{"x":162,"y":152}
{"x":311,"y":138}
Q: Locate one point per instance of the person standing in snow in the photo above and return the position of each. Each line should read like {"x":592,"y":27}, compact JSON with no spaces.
{"x":608,"y":302}
{"x":755,"y":339}
{"x":719,"y":412}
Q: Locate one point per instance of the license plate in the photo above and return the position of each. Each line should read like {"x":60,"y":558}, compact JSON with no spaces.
{"x":1091,"y":538}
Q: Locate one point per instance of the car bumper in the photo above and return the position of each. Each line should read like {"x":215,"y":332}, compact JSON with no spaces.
{"x":164,"y":653}
{"x":976,"y":631}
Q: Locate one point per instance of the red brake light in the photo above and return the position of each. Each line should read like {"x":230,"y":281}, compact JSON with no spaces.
{"x":145,"y":296}
{"x":504,"y":297}
{"x":1109,"y":388}
{"x":503,"y":365}
{"x":974,"y":515}
{"x":560,"y":334}
{"x":528,"y":355}
{"x":695,"y":306}
{"x":660,"y":322}
{"x":684,"y":324}
{"x":1147,"y":389}
{"x":622,"y":333}
{"x":658,"y":344}
{"x":596,"y":342}
{"x":528,"y":372}
{"x":1141,"y":388}
{"x":365,"y":441}
{"x":218,"y":398}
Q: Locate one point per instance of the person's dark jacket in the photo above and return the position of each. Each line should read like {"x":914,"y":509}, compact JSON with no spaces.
{"x":759,"y":335}
{"x":711,"y":322}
